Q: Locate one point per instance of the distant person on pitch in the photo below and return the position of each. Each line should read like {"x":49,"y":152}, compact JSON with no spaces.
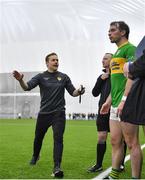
{"x":52,"y":84}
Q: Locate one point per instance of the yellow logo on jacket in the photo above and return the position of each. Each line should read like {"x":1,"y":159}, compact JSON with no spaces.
{"x":59,"y":78}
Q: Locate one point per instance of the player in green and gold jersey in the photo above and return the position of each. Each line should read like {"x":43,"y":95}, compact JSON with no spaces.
{"x":120,"y":87}
{"x":124,"y":53}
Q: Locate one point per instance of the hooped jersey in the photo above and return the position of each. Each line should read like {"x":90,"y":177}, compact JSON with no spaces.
{"x":125,"y":53}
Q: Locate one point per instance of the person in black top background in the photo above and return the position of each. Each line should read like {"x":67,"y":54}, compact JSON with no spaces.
{"x":102,"y":88}
{"x":133,"y":113}
{"x":52,"y":84}
{"x":134,"y":108}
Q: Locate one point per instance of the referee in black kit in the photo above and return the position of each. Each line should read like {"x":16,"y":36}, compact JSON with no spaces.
{"x":52,"y":84}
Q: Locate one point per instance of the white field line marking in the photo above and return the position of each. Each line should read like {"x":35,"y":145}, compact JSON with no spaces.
{"x":107,"y":171}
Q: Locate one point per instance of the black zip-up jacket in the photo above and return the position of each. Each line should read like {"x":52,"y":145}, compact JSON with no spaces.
{"x":102,"y":88}
{"x":137,"y":69}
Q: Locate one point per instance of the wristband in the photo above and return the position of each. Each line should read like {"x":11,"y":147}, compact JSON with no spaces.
{"x":124,"y":98}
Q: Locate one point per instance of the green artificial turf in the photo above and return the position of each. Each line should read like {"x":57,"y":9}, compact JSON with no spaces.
{"x":16,"y":144}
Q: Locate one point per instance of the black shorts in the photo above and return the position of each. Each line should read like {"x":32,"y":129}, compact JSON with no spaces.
{"x":102,"y":123}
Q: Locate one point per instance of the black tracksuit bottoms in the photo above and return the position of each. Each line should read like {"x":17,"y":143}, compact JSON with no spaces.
{"x":44,"y":121}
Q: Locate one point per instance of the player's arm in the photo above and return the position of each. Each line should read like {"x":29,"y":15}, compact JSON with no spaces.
{"x":19,"y":77}
{"x":126,"y":92}
{"x":131,"y":58}
{"x":128,"y":87}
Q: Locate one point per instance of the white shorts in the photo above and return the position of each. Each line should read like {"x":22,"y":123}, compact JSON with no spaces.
{"x":113,"y":114}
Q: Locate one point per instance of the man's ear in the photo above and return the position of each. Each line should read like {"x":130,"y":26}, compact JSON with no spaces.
{"x":123,"y":32}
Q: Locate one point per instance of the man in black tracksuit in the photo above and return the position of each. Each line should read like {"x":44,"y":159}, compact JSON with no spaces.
{"x":52,"y":84}
{"x":102,"y":88}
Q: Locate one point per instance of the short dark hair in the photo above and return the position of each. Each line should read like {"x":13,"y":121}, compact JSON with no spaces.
{"x":109,"y":53}
{"x":51,"y":54}
{"x":121,"y":25}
